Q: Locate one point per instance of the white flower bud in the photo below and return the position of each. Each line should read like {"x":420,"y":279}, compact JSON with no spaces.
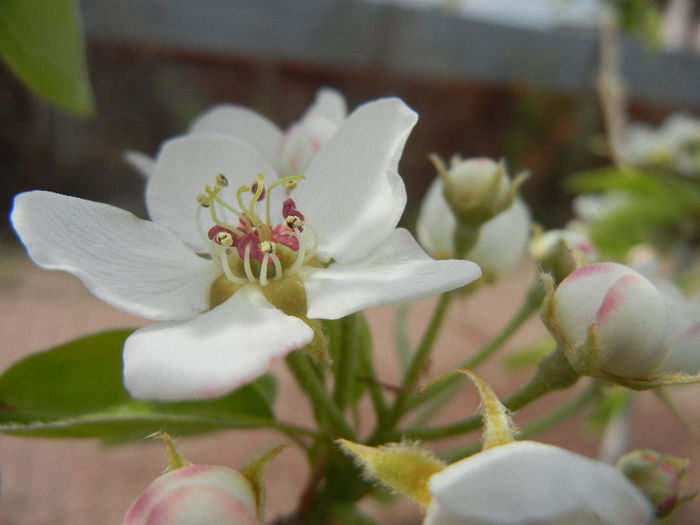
{"x":528,"y":482}
{"x":475,"y":183}
{"x":193,"y":495}
{"x":501,"y":240}
{"x":610,"y":321}
{"x":658,"y":476}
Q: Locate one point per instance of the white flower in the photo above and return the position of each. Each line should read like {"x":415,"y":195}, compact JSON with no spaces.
{"x":675,"y":144}
{"x":290,"y":152}
{"x":196,"y":494}
{"x":501,"y":241}
{"x":612,"y":322}
{"x":527,"y":482}
{"x":236,"y":292}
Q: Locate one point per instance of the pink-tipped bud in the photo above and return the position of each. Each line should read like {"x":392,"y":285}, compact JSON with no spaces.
{"x":658,"y":476}
{"x":193,"y":495}
{"x":610,"y":321}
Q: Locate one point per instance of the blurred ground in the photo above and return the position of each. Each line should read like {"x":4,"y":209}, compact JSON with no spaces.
{"x":55,"y":482}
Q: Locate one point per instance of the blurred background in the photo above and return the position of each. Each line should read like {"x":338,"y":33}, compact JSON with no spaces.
{"x":506,"y":79}
{"x":512,"y":79}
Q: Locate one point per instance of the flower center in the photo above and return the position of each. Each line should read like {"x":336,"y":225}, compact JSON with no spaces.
{"x":244,"y":239}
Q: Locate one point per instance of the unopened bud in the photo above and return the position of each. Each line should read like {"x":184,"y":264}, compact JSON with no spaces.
{"x":196,"y":494}
{"x":657,"y":475}
{"x":560,"y":252}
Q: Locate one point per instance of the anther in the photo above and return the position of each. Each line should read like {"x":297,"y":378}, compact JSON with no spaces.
{"x":267,"y":247}
{"x":293,"y":221}
{"x":290,"y":185}
{"x":221,"y":180}
{"x":203,"y":200}
{"x":224,"y":239}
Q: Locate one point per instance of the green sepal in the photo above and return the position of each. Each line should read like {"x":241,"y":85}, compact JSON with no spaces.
{"x":75,"y":391}
{"x":254,"y":472}
{"x":42,"y":43}
{"x":653,"y":380}
{"x":404,"y":467}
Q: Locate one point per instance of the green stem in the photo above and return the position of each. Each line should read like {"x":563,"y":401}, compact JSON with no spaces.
{"x":417,"y":362}
{"x":347,"y":362}
{"x":530,"y":304}
{"x":300,"y":365}
{"x":556,"y":416}
{"x":562,"y":412}
{"x":366,"y":364}
{"x":553,"y":373}
{"x":294,"y":432}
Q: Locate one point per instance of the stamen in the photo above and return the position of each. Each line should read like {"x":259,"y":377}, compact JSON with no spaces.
{"x":227,"y":269}
{"x":246,"y":265}
{"x":278,"y":266}
{"x":255,"y":236}
{"x":263,"y":269}
{"x":301,"y":255}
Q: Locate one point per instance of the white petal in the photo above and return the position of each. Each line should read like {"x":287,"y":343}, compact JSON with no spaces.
{"x":502,"y":240}
{"x":243,"y":123}
{"x":631,"y":326}
{"x":579,"y":296}
{"x":329,"y":104}
{"x":436,"y":223}
{"x":684,"y":352}
{"x":132,"y":264}
{"x":141,"y":162}
{"x":212,"y":354}
{"x":530,"y":482}
{"x":353,"y":196}
{"x":399,"y":271}
{"x":184,"y":166}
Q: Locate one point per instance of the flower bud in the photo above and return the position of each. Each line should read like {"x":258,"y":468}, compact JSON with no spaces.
{"x":560,"y":252}
{"x":196,"y":494}
{"x":500,"y":241}
{"x":610,"y":321}
{"x":657,"y":475}
{"x":475,"y":186}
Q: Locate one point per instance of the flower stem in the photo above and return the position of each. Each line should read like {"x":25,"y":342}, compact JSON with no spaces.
{"x":553,"y":373}
{"x":300,"y":365}
{"x":532,"y":302}
{"x":417,"y":362}
{"x":367,"y":366}
{"x":347,"y":360}
{"x":448,"y":387}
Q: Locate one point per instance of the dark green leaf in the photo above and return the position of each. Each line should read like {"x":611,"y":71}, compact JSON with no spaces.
{"x":42,"y":43}
{"x":75,"y":390}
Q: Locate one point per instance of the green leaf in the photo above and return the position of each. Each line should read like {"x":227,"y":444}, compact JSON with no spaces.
{"x":75,"y":391}
{"x":42,"y":43}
